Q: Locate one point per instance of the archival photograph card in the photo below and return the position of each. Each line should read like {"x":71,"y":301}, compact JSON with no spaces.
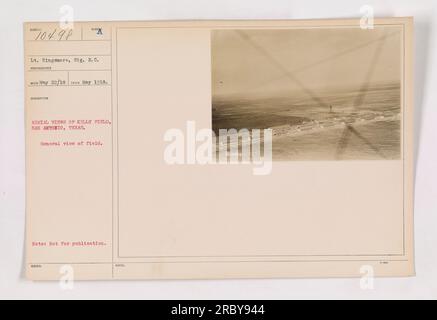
{"x":219,"y":149}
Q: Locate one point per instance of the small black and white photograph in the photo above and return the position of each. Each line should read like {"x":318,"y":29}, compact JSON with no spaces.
{"x":326,"y":93}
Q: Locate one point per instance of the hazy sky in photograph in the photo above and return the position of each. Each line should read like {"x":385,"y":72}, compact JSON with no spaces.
{"x":264,"y":62}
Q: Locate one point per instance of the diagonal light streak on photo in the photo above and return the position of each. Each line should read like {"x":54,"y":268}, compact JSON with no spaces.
{"x":277,"y":64}
{"x":349,"y":130}
{"x":327,"y":59}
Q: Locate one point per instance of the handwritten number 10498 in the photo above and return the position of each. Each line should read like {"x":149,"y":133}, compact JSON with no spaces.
{"x":56,"y":35}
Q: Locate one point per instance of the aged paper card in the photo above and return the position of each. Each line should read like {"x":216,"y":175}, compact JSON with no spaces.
{"x":219,"y":149}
